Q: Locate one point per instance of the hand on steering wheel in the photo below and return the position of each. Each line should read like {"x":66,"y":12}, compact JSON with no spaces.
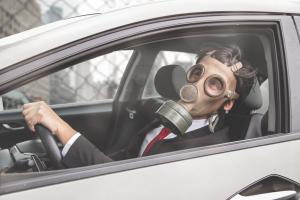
{"x":51,"y":146}
{"x":41,"y":118}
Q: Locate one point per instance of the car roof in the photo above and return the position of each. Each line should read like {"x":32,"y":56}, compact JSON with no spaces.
{"x":29,"y":43}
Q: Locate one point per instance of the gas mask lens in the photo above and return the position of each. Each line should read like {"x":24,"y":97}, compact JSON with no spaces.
{"x":214,"y":86}
{"x":195,"y":73}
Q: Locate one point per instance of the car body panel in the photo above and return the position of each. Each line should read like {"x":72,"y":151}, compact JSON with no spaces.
{"x":208,"y":177}
{"x":297,"y":19}
{"x":178,"y":175}
{"x":32,"y":66}
{"x":291,"y":49}
{"x":91,"y":25}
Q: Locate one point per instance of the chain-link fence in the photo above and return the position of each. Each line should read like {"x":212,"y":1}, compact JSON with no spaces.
{"x":92,"y":80}
{"x":20,"y":15}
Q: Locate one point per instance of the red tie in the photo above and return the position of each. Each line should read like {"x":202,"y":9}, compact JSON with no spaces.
{"x":162,"y":134}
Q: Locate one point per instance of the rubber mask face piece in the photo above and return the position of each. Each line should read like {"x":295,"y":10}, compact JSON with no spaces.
{"x":209,"y":84}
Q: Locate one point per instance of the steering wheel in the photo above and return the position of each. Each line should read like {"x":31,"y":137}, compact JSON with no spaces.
{"x":50,"y":145}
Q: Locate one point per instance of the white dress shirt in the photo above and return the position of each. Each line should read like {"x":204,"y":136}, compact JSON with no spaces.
{"x":69,"y":144}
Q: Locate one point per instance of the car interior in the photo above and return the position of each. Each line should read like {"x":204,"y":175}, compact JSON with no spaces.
{"x":111,"y":125}
{"x":244,"y":119}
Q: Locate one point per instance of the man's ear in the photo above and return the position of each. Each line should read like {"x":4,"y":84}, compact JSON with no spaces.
{"x":228,"y":105}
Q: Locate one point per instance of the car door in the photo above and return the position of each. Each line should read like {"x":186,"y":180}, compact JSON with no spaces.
{"x":214,"y":172}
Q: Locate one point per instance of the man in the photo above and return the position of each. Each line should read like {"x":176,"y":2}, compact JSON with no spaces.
{"x":213,"y":84}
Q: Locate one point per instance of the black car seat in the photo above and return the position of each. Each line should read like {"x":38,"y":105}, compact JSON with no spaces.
{"x":243,"y":122}
{"x":167,"y":82}
{"x":259,"y":121}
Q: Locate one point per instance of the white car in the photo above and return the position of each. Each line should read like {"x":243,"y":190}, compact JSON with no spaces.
{"x":261,"y":160}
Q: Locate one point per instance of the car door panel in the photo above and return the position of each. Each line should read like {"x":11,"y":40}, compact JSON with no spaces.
{"x":208,"y":177}
{"x":18,"y":131}
{"x":90,"y":119}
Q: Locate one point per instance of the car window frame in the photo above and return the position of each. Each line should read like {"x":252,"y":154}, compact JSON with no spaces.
{"x":51,"y":63}
{"x":292,"y":60}
{"x":297,"y":23}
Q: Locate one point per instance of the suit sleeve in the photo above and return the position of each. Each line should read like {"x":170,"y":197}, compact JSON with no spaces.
{"x":83,"y":153}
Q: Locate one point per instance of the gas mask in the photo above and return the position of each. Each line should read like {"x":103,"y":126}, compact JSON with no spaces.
{"x":209,"y":84}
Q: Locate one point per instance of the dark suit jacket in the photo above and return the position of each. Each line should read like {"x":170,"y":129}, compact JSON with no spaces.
{"x":197,"y":138}
{"x":83,"y":152}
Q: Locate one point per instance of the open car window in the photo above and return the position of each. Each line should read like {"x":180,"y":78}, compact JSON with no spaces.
{"x":91,"y":80}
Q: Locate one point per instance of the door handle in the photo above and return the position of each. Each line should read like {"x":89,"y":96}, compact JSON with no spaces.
{"x":8,"y":127}
{"x":282,"y":195}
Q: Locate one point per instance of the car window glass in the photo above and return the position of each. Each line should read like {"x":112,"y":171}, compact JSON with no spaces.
{"x":94,"y":79}
{"x":164,"y":58}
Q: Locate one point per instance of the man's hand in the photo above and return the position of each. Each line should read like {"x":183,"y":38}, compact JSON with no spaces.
{"x":41,"y":113}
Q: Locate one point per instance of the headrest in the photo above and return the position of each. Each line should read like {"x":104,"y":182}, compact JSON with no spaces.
{"x":264,"y":88}
{"x":168,"y":81}
{"x":254,"y":99}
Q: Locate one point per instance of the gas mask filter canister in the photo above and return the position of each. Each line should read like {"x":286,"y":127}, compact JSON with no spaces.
{"x":174,"y":116}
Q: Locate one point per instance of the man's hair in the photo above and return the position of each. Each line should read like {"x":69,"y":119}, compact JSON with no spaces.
{"x":229,"y":55}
